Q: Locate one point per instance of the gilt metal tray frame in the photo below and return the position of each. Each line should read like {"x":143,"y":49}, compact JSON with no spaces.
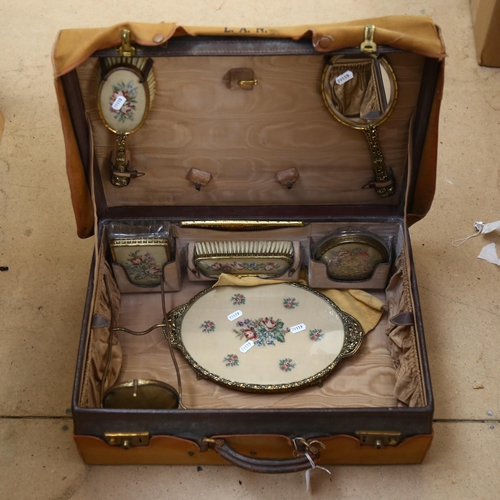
{"x":353,"y":336}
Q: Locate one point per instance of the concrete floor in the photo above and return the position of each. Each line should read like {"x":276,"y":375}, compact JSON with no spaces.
{"x":42,"y":293}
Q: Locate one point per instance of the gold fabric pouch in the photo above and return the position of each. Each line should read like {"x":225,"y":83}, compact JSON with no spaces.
{"x":360,"y":96}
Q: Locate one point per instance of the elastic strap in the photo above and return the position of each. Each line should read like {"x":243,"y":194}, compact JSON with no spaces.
{"x":480,"y":228}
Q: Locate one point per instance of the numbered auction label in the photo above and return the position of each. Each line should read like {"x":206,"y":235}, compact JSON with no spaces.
{"x":344,"y":77}
{"x":119,"y":102}
{"x":235,"y":315}
{"x":298,"y":328}
{"x":247,"y":346}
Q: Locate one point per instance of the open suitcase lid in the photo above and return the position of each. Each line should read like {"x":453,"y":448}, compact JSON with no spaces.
{"x":273,"y":152}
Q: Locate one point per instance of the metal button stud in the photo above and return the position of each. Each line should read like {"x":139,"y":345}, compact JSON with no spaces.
{"x":325,"y":42}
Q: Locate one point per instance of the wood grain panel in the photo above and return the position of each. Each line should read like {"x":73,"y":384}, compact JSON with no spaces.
{"x":243,"y":138}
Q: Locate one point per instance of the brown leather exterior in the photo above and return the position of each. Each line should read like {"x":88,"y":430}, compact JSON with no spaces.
{"x":411,"y":33}
{"x":80,"y":194}
{"x":163,"y":449}
{"x":425,"y":186}
{"x":170,"y":450}
{"x":347,"y":450}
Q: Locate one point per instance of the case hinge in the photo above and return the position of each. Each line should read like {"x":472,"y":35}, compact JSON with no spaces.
{"x":127,"y":440}
{"x":378,"y":439}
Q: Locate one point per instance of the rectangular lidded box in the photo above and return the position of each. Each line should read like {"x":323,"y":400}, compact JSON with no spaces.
{"x":244,"y":140}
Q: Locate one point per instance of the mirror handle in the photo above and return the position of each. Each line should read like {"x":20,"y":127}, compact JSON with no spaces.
{"x":383,"y":180}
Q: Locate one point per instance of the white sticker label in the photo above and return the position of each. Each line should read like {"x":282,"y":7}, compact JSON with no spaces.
{"x":247,"y":346}
{"x":298,"y":328}
{"x":119,"y":102}
{"x":235,"y":315}
{"x":344,"y":77}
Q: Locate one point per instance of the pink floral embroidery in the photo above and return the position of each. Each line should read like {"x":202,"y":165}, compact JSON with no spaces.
{"x":290,"y":303}
{"x":142,"y":267}
{"x":207,"y":326}
{"x":347,"y":263}
{"x":238,"y":299}
{"x":263,"y":331}
{"x":129,"y":92}
{"x":287,"y":364}
{"x":231,"y":360}
{"x":249,"y":267}
{"x":316,"y":334}
{"x":250,"y":333}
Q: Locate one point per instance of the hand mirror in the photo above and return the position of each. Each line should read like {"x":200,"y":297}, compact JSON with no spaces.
{"x":126,"y":89}
{"x":361,"y":92}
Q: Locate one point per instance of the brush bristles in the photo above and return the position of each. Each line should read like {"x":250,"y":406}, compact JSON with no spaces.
{"x":139,"y":63}
{"x":243,"y":249}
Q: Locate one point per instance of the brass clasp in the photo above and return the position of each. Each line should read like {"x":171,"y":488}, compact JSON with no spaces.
{"x":126,"y":49}
{"x":127,"y":440}
{"x":302,"y":446}
{"x":368,"y":46}
{"x":378,"y":439}
{"x":212,"y":443}
{"x":242,"y":83}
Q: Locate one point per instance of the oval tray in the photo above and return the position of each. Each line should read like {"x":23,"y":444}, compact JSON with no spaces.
{"x":279,"y":360}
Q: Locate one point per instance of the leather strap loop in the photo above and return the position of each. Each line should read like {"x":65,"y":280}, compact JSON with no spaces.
{"x":132,"y":174}
{"x":377,"y":185}
{"x":403,"y":319}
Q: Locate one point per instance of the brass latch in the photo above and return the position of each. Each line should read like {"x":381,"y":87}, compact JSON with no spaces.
{"x":368,"y":46}
{"x":379,"y":439}
{"x":126,"y":49}
{"x":127,"y":440}
{"x":242,"y":83}
{"x":241,"y":79}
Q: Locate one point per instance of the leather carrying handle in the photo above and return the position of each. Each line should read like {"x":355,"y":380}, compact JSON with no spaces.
{"x":263,"y":465}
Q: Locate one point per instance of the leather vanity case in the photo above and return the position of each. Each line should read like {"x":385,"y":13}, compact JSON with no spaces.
{"x":300,"y":135}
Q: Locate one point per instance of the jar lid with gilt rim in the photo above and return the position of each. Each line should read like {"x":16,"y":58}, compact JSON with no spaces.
{"x":352,"y":255}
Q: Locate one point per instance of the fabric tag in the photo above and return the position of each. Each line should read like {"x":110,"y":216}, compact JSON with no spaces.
{"x":344,"y":77}
{"x":487,"y":227}
{"x":489,"y":253}
{"x":298,"y":328}
{"x":119,"y":102}
{"x":247,"y":346}
{"x":308,"y":472}
{"x":235,"y":315}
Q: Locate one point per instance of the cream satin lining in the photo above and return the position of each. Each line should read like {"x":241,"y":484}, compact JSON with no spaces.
{"x":383,"y":373}
{"x":366,"y":379}
{"x":103,"y":350}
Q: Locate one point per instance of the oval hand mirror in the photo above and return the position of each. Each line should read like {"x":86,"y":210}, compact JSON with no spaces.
{"x":125,"y":93}
{"x":361,"y":92}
